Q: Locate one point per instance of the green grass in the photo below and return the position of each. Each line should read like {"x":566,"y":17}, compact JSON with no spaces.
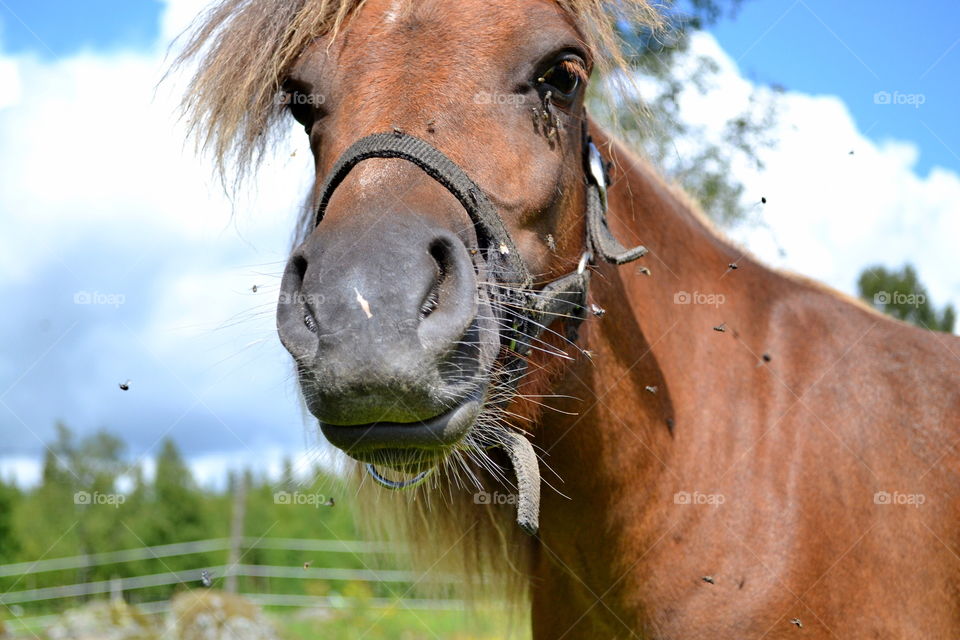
{"x":399,"y":623}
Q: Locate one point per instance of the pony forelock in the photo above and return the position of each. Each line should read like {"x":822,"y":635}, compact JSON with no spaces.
{"x":240,"y":52}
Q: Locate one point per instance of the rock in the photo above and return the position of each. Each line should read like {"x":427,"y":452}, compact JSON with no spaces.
{"x":104,"y":620}
{"x":216,"y":615}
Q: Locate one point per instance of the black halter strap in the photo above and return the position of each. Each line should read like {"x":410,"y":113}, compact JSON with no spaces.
{"x":494,"y":239}
{"x":531,"y":311}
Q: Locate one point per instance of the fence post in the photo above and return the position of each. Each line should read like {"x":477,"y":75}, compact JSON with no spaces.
{"x":116,"y":589}
{"x":236,"y":530}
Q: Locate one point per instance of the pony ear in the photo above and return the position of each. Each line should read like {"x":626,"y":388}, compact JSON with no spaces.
{"x":599,"y":236}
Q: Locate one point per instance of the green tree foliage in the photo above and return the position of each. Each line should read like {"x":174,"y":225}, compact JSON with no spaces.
{"x":93,"y":498}
{"x":77,"y":508}
{"x":899,"y":293}
{"x":10,"y":496}
{"x":176,"y":511}
{"x":647,"y":112}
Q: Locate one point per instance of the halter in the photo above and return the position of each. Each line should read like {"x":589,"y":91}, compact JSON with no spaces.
{"x":497,"y":257}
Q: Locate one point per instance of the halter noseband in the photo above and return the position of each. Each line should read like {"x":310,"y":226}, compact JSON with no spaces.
{"x":497,"y":255}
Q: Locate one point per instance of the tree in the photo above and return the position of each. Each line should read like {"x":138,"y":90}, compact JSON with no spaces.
{"x":899,"y":293}
{"x":46,"y":519}
{"x":655,"y":125}
{"x":177,"y":509}
{"x":77,"y":508}
{"x":95,"y":464}
{"x":9,"y":543}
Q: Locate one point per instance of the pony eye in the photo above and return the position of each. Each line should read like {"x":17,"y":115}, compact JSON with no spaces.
{"x":299,"y":108}
{"x":563,"y":78}
{"x":305,"y":105}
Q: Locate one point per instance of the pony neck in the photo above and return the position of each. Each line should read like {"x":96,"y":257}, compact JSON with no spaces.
{"x":636,"y":395}
{"x":662,"y":313}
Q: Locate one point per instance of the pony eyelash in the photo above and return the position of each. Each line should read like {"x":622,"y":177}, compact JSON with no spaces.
{"x":574,"y":67}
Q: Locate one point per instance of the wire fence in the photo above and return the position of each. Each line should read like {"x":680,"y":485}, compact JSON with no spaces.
{"x":189,"y":548}
{"x":257,"y":589}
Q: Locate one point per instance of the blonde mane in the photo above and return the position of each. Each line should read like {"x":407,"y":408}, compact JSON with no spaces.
{"x":243,"y":50}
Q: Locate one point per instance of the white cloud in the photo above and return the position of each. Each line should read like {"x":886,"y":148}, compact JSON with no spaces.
{"x":10,"y":89}
{"x":210,"y":470}
{"x":23,"y":471}
{"x":832,"y":212}
{"x":178,"y":15}
{"x":100,"y":193}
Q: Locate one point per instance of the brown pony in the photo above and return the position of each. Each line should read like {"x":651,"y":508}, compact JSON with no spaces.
{"x":733,"y":452}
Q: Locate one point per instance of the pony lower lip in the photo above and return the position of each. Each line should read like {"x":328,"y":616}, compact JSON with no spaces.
{"x":436,"y":435}
{"x":409,"y":461}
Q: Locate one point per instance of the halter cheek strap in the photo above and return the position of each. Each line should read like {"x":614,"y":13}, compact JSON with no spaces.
{"x":599,"y":236}
{"x":533,"y":311}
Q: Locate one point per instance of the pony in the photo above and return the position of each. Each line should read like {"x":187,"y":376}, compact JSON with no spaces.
{"x":727,"y":450}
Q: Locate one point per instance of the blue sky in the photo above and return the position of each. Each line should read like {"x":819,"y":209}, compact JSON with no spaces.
{"x":56,"y":28}
{"x":854,"y":49}
{"x":136,"y":226}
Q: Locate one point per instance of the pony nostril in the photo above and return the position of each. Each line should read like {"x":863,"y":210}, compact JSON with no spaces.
{"x":440,"y":253}
{"x":429,"y":304}
{"x":299,"y":265}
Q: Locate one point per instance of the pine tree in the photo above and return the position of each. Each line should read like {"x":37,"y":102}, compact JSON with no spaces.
{"x":9,"y":543}
{"x":899,"y":293}
{"x":654,"y":123}
{"x":177,"y":503}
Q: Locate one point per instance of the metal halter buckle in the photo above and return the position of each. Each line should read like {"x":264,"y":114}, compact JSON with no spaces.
{"x":398,"y":484}
{"x":597,"y":173}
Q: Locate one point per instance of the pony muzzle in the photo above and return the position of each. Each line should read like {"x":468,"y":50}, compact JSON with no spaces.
{"x":393,"y":337}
